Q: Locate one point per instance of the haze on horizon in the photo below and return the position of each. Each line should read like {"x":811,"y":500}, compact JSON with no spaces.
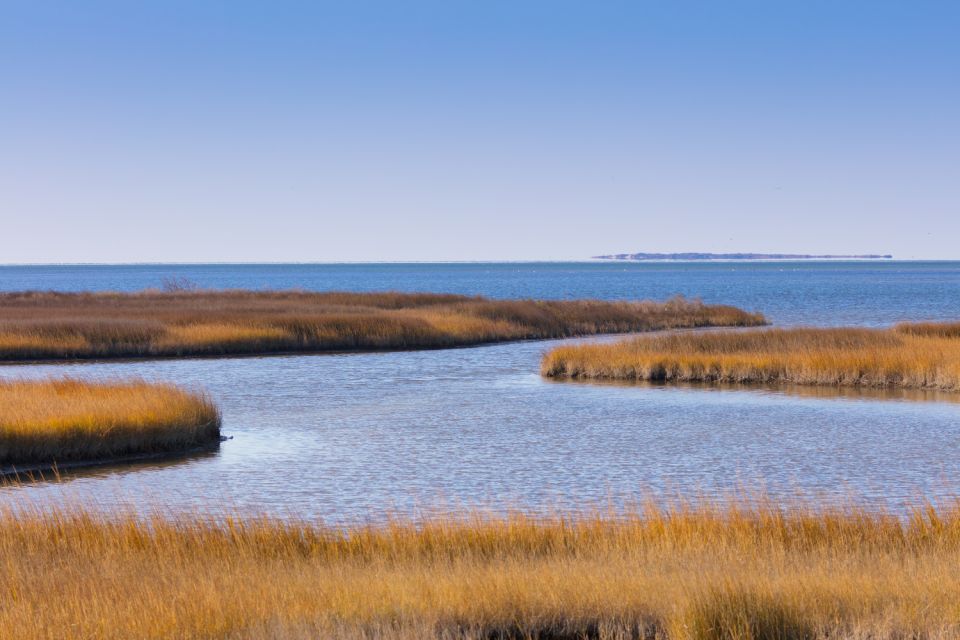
{"x":295,"y":131}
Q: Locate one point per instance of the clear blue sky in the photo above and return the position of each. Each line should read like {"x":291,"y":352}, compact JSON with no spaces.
{"x":449,"y":130}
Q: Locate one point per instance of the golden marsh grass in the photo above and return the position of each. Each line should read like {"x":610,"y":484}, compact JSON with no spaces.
{"x":51,"y":326}
{"x":68,"y":420}
{"x":684,"y":572}
{"x":915,"y":356}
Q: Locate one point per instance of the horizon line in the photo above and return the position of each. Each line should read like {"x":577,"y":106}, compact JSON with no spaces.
{"x":426,"y":262}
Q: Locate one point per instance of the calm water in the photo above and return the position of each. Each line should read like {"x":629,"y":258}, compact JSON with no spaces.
{"x":788,"y":292}
{"x":347,"y":437}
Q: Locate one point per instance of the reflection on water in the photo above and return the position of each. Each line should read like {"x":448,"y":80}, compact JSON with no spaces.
{"x":14,"y":478}
{"x":823,"y":392}
{"x":348,"y":437}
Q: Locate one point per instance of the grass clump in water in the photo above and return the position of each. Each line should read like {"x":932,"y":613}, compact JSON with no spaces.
{"x":917,"y":356}
{"x":56,"y":326}
{"x":51,"y":421}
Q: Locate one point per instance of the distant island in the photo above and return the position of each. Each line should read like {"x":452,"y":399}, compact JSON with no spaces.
{"x":737,"y":256}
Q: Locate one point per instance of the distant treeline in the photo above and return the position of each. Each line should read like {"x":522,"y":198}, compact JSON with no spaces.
{"x":739,"y":256}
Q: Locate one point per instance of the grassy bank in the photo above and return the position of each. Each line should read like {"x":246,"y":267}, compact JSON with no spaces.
{"x":38,"y":326}
{"x":735,"y":573}
{"x":918,"y":356}
{"x":69,"y":420}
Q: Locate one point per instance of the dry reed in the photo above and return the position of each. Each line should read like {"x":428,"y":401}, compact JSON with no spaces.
{"x":68,"y":420}
{"x":52,"y":326}
{"x":739,"y":572}
{"x":917,"y":356}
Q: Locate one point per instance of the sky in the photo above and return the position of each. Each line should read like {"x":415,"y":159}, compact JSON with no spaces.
{"x":192,"y":131}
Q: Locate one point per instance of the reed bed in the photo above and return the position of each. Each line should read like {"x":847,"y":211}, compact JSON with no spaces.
{"x":738,"y":572}
{"x":63,"y":420}
{"x":56,"y":326}
{"x":909,"y":356}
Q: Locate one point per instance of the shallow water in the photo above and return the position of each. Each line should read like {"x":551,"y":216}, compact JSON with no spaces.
{"x":351,"y":437}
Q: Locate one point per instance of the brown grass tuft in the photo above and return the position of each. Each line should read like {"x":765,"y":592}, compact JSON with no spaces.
{"x":67,"y":420}
{"x":908,"y":356}
{"x":56,"y":326}
{"x":732,"y":612}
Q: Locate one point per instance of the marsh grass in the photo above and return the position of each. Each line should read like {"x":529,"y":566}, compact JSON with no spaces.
{"x":66,"y":420}
{"x":708,"y":572}
{"x":908,"y":356}
{"x":52,"y":326}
